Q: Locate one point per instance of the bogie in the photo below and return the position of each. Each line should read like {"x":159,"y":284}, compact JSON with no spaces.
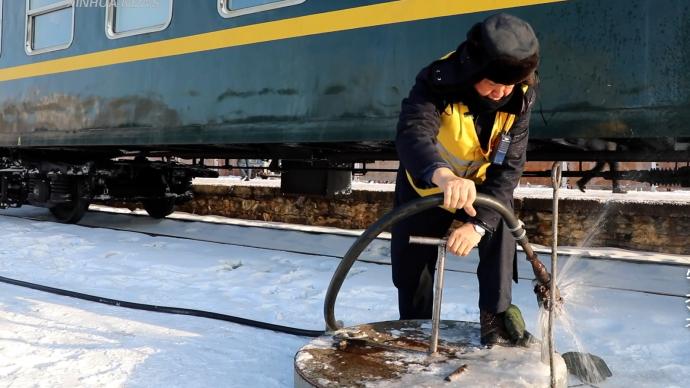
{"x":67,"y":189}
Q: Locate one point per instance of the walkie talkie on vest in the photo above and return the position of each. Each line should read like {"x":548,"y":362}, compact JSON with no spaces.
{"x":499,"y":153}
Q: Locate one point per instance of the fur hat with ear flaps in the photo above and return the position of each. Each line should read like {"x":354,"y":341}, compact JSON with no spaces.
{"x":504,"y":47}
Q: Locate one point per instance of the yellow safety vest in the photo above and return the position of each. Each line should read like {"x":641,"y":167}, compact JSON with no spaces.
{"x":458,"y":144}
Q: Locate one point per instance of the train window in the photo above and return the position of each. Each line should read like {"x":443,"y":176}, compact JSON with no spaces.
{"x":133,"y":18}
{"x":232,"y":8}
{"x":49,"y":25}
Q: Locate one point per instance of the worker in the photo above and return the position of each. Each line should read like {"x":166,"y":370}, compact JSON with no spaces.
{"x":463,"y":129}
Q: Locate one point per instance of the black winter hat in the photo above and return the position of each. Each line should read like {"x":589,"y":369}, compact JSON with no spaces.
{"x":504,"y":47}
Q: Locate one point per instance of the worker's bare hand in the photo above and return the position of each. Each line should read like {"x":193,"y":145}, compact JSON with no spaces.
{"x":458,"y":193}
{"x":463,"y":239}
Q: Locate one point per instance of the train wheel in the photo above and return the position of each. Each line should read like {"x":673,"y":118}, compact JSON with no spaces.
{"x":73,"y":211}
{"x":70,"y":213}
{"x":159,"y":208}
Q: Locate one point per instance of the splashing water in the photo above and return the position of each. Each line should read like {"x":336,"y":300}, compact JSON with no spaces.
{"x":564,"y":272}
{"x":575,"y":294}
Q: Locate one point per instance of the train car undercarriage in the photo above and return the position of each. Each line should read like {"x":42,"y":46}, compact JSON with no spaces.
{"x":68,"y":187}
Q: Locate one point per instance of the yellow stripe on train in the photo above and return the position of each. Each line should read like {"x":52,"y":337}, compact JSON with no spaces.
{"x":342,"y":20}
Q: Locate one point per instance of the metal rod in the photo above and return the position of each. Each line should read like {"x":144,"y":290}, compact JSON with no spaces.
{"x":438,"y":286}
{"x":556,"y":176}
{"x":438,"y":298}
{"x":427,"y":240}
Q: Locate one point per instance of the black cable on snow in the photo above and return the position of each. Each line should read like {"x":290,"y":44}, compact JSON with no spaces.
{"x":166,"y":235}
{"x":166,"y":309}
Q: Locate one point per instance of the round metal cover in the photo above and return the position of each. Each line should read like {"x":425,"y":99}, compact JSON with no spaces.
{"x":394,"y":354}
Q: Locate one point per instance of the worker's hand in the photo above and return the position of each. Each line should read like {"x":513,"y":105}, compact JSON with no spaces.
{"x":463,"y":239}
{"x":458,"y":193}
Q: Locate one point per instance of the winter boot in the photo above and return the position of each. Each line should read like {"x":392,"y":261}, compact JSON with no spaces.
{"x":493,"y":329}
{"x":515,"y":327}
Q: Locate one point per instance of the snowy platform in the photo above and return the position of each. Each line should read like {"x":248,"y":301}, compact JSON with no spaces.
{"x":394,"y":354}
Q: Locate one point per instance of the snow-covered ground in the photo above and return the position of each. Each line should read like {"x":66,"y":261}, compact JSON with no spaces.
{"x":631,"y":314}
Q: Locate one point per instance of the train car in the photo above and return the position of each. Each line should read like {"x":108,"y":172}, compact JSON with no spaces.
{"x":97,"y":96}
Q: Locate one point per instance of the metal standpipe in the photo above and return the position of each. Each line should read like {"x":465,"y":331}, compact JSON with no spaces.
{"x":556,"y":175}
{"x":438,"y":286}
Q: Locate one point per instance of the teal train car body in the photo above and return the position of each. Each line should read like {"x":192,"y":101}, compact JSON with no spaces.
{"x":614,"y":70}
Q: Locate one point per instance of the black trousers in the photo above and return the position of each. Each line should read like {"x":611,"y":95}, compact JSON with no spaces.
{"x":414,"y":265}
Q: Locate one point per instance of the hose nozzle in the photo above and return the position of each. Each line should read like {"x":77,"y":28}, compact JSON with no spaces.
{"x":542,"y":282}
{"x":543,"y":292}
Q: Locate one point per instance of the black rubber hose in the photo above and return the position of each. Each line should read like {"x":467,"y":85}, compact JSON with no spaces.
{"x":165,"y":309}
{"x":404,"y":211}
